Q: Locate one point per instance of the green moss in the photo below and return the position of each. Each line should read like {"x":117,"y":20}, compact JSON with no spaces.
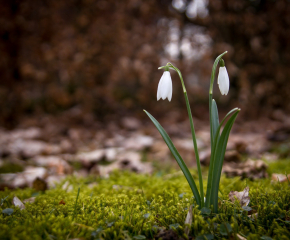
{"x":128,"y":204}
{"x":10,"y":168}
{"x":281,"y":166}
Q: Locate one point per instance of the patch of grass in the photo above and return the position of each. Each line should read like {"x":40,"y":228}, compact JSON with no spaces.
{"x":129,"y":205}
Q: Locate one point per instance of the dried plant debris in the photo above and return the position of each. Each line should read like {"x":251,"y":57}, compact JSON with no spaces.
{"x":276,"y":177}
{"x":239,"y":237}
{"x":167,"y":235}
{"x":230,"y":156}
{"x":29,"y":200}
{"x":17,"y":203}
{"x":39,"y":184}
{"x":242,"y":197}
{"x":188,"y":221}
{"x":250,"y":169}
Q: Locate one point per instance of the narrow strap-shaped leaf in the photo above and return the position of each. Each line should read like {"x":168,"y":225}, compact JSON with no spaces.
{"x":177,"y":157}
{"x":209,"y":197}
{"x":214,"y":118}
{"x":219,"y":159}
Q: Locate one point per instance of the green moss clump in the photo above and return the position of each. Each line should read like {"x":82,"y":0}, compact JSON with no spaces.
{"x":129,"y":205}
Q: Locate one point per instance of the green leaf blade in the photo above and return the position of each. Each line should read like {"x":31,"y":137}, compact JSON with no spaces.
{"x":219,"y":158}
{"x":209,"y":193}
{"x":177,"y":157}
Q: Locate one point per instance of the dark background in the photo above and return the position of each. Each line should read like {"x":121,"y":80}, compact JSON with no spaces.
{"x":97,"y":59}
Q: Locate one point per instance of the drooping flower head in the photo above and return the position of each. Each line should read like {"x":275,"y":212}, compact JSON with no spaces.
{"x":223,"y":79}
{"x":165,"y":86}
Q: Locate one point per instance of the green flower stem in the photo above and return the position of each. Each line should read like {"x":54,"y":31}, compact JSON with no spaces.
{"x":192,"y":133}
{"x":213,"y":71}
{"x":210,"y":118}
{"x":210,"y":121}
{"x":210,"y":95}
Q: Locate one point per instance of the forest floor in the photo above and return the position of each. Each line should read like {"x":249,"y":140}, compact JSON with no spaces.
{"x":120,"y":181}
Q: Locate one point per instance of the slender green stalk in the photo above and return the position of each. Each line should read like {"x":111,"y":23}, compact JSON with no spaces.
{"x":192,"y":133}
{"x":210,"y":120}
{"x":213,"y":71}
{"x":210,"y":94}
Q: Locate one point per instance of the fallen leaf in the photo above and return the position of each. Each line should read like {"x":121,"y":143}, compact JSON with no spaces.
{"x":167,"y":234}
{"x":55,"y":164}
{"x":39,"y":184}
{"x":29,"y":200}
{"x":253,"y":216}
{"x":250,"y":169}
{"x":230,"y":156}
{"x":240,"y":237}
{"x":276,"y":177}
{"x":28,"y":176}
{"x":242,"y":197}
{"x":125,"y":161}
{"x":67,"y":186}
{"x":138,"y":142}
{"x":17,"y":203}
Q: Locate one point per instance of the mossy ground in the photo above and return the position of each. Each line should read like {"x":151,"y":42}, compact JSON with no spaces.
{"x":132,"y":206}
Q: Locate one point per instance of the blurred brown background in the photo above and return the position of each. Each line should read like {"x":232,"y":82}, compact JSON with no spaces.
{"x":98,"y":59}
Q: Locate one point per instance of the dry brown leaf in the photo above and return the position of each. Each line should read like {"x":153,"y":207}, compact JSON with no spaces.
{"x":230,"y":156}
{"x":39,"y":184}
{"x":29,"y":200}
{"x":242,"y":197}
{"x":249,"y":169}
{"x":276,"y":177}
{"x":188,"y":220}
{"x":253,"y":216}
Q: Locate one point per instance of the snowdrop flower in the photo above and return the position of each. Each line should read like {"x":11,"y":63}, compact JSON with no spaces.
{"x":223,"y":79}
{"x":165,"y":87}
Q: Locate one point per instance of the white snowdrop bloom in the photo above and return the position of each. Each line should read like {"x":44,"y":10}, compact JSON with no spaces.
{"x":165,"y":87}
{"x":223,"y":81}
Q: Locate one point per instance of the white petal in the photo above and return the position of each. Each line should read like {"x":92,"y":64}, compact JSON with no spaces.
{"x":165,"y":87}
{"x":159,"y":87}
{"x":223,"y":81}
{"x":169,"y":96}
